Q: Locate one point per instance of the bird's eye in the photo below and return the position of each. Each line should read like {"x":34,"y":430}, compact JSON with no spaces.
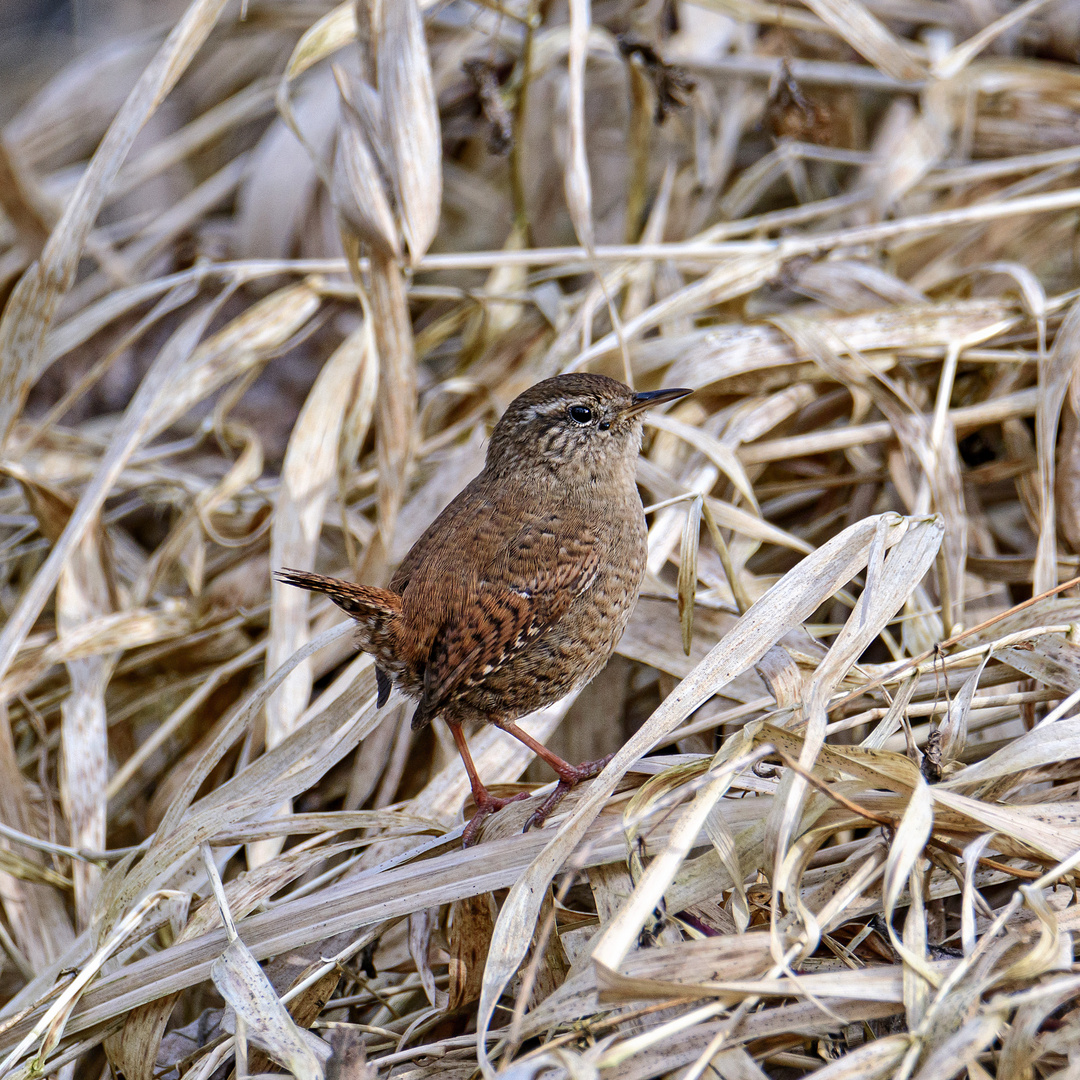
{"x":580,"y":414}
{"x":604,"y":425}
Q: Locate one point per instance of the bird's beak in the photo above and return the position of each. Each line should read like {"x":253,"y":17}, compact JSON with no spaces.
{"x":650,"y":398}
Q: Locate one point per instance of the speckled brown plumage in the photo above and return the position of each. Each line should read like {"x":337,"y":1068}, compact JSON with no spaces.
{"x":520,"y":589}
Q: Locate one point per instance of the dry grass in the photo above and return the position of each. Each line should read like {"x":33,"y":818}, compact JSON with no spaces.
{"x":267,"y":282}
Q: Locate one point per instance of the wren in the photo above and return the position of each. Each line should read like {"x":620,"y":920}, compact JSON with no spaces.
{"x":520,"y":589}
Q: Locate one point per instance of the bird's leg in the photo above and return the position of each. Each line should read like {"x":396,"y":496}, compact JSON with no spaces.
{"x":568,"y":774}
{"x":486,"y":803}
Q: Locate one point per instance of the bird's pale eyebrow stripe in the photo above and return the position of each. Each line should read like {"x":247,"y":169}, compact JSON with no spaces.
{"x":553,"y":410}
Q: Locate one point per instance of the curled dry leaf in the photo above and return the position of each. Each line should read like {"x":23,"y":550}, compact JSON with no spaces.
{"x":360,"y":188}
{"x":266,"y":1022}
{"x":411,"y":123}
{"x":335,"y":30}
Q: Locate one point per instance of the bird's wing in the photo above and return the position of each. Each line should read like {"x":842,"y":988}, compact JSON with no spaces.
{"x":469,"y":524}
{"x":527,"y":587}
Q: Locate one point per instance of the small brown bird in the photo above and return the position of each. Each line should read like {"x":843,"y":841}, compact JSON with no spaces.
{"x":520,"y":589}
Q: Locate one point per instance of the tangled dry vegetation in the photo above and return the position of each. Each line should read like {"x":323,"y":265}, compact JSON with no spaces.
{"x":270,"y":274}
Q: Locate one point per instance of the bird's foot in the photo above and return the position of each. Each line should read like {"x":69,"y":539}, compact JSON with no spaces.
{"x":486,"y":805}
{"x":568,"y":778}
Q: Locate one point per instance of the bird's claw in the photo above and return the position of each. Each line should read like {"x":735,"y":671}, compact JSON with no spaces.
{"x":485,"y":807}
{"x":540,"y":814}
{"x":585,"y":771}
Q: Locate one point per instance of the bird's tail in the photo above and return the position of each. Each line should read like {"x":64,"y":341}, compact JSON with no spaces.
{"x":359,"y":601}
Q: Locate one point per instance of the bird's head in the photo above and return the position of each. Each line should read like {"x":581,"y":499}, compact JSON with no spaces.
{"x":579,"y":427}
